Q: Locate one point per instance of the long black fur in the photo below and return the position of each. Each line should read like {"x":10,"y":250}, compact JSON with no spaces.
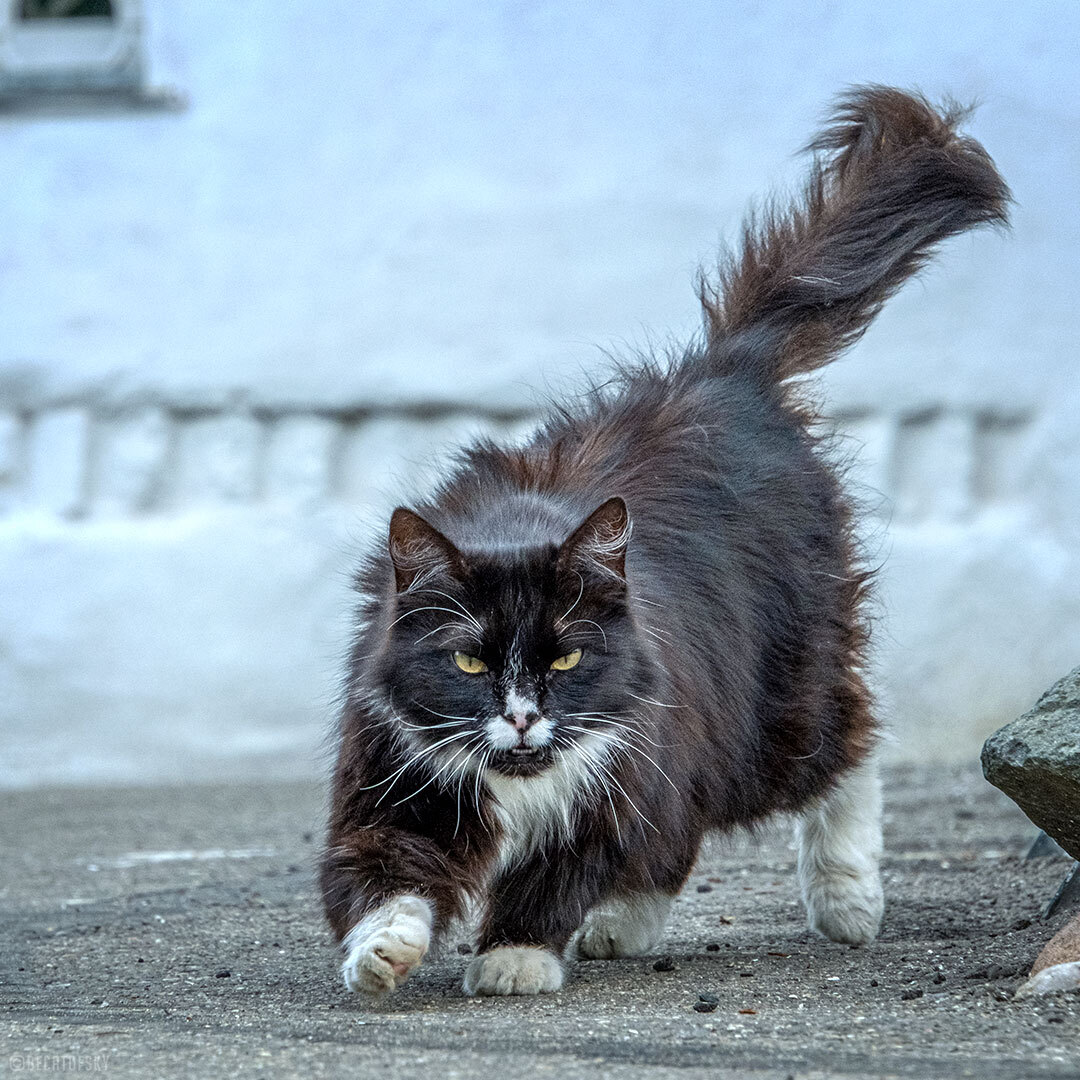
{"x":682,"y":528}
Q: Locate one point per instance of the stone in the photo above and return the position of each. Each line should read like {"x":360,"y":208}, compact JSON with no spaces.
{"x":1035,"y":760}
{"x":1062,"y":948}
{"x":1051,"y":980}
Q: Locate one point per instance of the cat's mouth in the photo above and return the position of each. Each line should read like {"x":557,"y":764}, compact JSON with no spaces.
{"x":521,"y":760}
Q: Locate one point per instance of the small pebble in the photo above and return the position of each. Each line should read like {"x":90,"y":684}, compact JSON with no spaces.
{"x":712,"y":947}
{"x":711,"y":999}
{"x":222,"y":973}
{"x":704,"y":888}
{"x":873,"y":982}
{"x":665,"y":963}
{"x":911,"y":995}
{"x":705,"y":1006}
{"x":464,"y":949}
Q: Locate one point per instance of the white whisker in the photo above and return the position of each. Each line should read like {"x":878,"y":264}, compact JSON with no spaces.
{"x":661,"y":704}
{"x":617,"y":740}
{"x":454,"y":600}
{"x":581,"y":593}
{"x":446,"y":625}
{"x":445,"y":716}
{"x":591,"y":623}
{"x":416,"y":611}
{"x":392,"y":778}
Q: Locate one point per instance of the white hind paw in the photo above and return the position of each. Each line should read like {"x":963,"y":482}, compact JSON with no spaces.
{"x":628,"y":926}
{"x":845,"y":905}
{"x":387,"y":945}
{"x":514,"y":969}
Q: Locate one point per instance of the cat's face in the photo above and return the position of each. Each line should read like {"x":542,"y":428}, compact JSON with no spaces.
{"x":506,"y":660}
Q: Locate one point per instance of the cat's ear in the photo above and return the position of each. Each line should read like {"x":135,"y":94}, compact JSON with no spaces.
{"x":419,"y":549}
{"x":600,"y":540}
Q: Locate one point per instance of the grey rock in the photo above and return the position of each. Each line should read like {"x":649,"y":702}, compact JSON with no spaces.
{"x":1044,"y":847}
{"x":1035,"y":760}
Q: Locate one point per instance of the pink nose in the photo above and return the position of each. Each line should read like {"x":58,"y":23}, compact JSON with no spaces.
{"x":522,"y":721}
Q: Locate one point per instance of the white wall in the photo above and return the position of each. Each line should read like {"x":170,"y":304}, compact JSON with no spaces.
{"x":227,"y":334}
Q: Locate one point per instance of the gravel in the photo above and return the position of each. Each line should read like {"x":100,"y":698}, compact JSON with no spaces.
{"x":118,"y":909}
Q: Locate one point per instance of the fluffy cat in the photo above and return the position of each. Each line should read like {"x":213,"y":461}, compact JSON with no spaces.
{"x":581,"y":655}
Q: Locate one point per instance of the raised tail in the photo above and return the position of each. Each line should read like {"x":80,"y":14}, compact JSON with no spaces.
{"x":891,"y":179}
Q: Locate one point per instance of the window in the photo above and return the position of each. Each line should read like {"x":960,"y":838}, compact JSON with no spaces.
{"x":73,"y":55}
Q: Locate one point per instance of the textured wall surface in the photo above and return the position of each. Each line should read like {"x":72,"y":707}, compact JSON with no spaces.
{"x":232,"y":337}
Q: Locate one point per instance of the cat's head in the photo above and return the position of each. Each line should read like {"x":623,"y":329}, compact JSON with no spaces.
{"x":506,"y":656}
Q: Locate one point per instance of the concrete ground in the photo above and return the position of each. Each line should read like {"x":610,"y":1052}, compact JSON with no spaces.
{"x":175,"y":932}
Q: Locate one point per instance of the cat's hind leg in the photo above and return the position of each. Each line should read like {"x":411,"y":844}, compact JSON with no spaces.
{"x":623,"y":926}
{"x":839,"y":842}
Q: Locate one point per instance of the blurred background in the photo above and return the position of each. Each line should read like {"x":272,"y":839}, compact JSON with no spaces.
{"x":261,"y":265}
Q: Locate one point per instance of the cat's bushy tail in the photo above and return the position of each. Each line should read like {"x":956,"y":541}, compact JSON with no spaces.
{"x":891,"y":179}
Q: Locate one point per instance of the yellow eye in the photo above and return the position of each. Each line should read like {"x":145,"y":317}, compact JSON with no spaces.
{"x":565,"y":663}
{"x":471,"y":665}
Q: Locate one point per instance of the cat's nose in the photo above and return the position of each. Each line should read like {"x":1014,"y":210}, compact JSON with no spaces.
{"x":522,"y":720}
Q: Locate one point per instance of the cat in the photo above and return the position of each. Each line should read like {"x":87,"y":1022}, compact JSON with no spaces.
{"x":581,"y":655}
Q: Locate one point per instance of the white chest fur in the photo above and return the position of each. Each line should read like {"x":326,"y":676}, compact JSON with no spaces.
{"x":534,"y":810}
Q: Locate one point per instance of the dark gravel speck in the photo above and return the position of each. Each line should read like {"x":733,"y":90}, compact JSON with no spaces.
{"x":665,"y":963}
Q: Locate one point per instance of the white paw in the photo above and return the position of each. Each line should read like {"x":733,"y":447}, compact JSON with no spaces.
{"x":846,"y":904}
{"x":514,"y":969}
{"x":384,"y":948}
{"x":624,"y":927}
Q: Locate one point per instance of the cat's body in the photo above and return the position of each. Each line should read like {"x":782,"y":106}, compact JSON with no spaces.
{"x":583,"y":654}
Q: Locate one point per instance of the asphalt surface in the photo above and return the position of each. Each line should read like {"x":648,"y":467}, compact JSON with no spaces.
{"x":175,"y":932}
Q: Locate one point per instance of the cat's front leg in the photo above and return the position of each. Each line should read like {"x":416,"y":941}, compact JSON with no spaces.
{"x":514,"y":969}
{"x":386,"y":891}
{"x":534,"y":909}
{"x":386,"y":945}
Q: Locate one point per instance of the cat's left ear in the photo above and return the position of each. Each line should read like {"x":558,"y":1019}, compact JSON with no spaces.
{"x":600,"y":540}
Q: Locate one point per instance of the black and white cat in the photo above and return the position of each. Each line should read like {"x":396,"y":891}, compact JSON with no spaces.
{"x":581,"y":655}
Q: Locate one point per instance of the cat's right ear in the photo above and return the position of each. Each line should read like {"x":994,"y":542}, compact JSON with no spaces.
{"x":599,"y":542}
{"x":418,"y":549}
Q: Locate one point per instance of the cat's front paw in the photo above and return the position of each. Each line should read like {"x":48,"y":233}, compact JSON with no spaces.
{"x":516,"y":969}
{"x":387,"y":945}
